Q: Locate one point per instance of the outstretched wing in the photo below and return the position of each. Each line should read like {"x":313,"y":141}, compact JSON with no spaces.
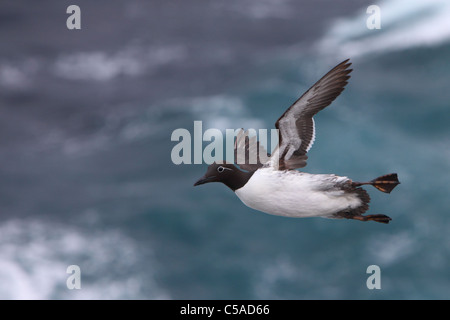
{"x":249,"y":154}
{"x":296,"y":125}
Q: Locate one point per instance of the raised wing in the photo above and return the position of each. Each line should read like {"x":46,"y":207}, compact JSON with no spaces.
{"x":296,"y":125}
{"x":249,"y":154}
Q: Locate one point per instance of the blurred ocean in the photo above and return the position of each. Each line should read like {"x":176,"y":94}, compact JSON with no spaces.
{"x":86,"y":176}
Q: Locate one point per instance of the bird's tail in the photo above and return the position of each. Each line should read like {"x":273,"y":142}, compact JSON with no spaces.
{"x":385,"y":183}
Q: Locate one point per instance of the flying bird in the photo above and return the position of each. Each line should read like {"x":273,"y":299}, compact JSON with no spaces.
{"x":277,"y":187}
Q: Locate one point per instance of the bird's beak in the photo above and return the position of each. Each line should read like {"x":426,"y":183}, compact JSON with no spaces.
{"x":203,"y":180}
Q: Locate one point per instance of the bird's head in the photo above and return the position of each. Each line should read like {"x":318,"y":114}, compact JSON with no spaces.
{"x":226,"y":173}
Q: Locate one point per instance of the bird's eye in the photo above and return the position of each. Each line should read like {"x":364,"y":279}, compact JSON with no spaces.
{"x":220,"y":169}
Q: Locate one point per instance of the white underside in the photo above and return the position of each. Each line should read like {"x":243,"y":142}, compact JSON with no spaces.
{"x":296,"y":194}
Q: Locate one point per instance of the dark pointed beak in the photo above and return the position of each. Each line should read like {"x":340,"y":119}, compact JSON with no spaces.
{"x":203,"y":180}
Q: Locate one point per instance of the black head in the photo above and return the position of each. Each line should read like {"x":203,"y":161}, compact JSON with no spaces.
{"x":226,"y":173}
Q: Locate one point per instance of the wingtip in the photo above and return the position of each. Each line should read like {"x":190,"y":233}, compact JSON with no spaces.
{"x":346,"y":64}
{"x":346,"y":61}
{"x":343,"y":67}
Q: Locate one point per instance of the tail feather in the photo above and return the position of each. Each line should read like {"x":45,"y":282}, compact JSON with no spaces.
{"x":386,"y":183}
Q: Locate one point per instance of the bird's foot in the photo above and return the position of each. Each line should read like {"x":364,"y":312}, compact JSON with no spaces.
{"x":372,"y":217}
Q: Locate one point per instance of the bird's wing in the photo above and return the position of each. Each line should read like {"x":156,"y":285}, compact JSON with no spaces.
{"x":249,"y":154}
{"x":296,"y":125}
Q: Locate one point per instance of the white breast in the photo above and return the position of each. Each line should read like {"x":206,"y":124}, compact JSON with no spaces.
{"x":296,"y":194}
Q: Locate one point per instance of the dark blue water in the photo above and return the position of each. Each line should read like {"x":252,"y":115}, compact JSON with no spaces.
{"x":86,"y":176}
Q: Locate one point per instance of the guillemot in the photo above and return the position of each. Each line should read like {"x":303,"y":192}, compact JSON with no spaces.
{"x":277,"y":188}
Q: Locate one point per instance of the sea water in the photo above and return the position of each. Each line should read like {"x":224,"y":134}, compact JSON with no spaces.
{"x":86,"y":176}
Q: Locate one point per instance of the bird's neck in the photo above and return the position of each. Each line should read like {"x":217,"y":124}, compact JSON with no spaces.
{"x":239,"y":179}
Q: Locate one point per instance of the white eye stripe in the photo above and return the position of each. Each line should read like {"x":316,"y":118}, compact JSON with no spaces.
{"x":222,"y":169}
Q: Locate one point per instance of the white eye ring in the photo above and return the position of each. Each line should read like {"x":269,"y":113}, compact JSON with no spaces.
{"x":220,"y":169}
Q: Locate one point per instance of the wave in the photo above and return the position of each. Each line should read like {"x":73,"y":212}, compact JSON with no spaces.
{"x":129,"y":61}
{"x":34,"y":257}
{"x":404,"y":25}
{"x":222,"y":111}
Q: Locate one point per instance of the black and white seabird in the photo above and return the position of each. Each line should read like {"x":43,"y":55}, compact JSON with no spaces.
{"x":277,"y":188}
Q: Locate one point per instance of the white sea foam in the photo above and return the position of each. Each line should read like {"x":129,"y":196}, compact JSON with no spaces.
{"x":17,"y":75}
{"x":218,"y":111}
{"x":34,"y":257}
{"x":102,"y":66}
{"x":404,"y":24}
{"x":222,"y":111}
{"x":280,"y":269}
{"x":262,"y":9}
{"x":394,"y":248}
